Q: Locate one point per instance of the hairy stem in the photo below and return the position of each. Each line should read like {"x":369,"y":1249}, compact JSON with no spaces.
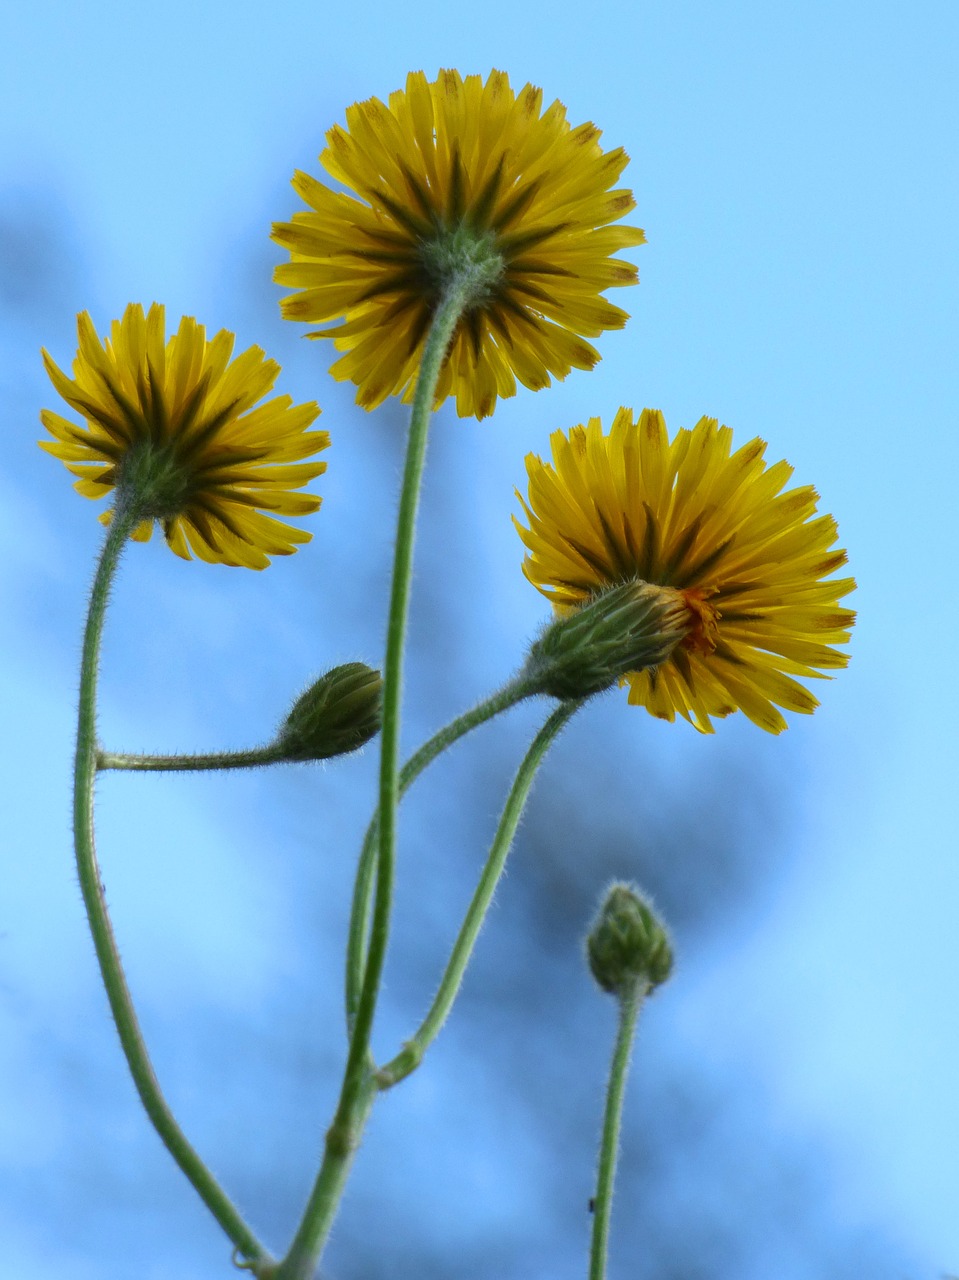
{"x":124,"y":521}
{"x":410,"y":1056}
{"x":355,"y":1094}
{"x":630,"y":1003}
{"x":507,"y":697}
{"x":251,"y":759}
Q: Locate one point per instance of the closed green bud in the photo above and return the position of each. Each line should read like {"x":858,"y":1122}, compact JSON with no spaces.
{"x":629,"y":627}
{"x":627,"y":944}
{"x":337,"y":714}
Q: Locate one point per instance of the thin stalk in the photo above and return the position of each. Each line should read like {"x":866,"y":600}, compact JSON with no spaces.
{"x":437,"y":343}
{"x":630,"y":1003}
{"x":410,"y":1056}
{"x":505,"y":698}
{"x":108,"y":955}
{"x":355,"y":1094}
{"x":251,"y":759}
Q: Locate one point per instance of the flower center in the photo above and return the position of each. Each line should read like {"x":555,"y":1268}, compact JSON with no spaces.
{"x":704,"y":635}
{"x":155,"y":479}
{"x":462,"y":253}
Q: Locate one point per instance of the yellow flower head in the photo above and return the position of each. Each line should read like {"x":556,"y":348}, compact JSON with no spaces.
{"x":750,"y":557}
{"x":450,"y":168}
{"x":172,"y":424}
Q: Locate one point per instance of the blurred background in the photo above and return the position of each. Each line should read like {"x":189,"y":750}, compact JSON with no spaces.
{"x":793,"y":1109}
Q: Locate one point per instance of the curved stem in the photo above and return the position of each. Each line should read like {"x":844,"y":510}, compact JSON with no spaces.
{"x":251,"y":759}
{"x":410,"y":1056}
{"x":121,"y":1005}
{"x":356,"y":1092}
{"x":630,"y":1003}
{"x":507,"y":697}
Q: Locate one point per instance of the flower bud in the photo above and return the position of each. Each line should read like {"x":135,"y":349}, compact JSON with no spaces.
{"x":627,"y":944}
{"x":337,"y":714}
{"x":629,"y":627}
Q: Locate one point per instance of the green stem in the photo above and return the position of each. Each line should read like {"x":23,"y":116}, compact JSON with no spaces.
{"x":121,"y":1005}
{"x":410,"y":1056}
{"x":630,"y":1003}
{"x":441,"y":332}
{"x":507,"y":697}
{"x":182,"y":763}
{"x":355,"y":1094}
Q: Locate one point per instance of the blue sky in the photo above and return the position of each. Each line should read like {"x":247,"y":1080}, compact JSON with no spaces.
{"x":795,"y":169}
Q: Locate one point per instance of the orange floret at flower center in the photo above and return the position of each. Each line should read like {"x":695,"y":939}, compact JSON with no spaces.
{"x":704,"y":633}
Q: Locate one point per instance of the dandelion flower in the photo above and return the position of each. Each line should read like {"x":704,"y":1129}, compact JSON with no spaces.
{"x":751,"y":558}
{"x":172,"y":425}
{"x":455,"y":171}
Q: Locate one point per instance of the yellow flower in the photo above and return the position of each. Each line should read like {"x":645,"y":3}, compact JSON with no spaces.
{"x":172,"y":425}
{"x":750,"y":557}
{"x":450,"y":169}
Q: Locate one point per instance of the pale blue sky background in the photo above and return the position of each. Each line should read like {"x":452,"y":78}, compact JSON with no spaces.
{"x":795,"y":168}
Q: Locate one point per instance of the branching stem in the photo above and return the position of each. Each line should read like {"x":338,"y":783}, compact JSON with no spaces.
{"x":214,"y":1197}
{"x":411,"y":1055}
{"x":507,"y":697}
{"x":358,"y":1087}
